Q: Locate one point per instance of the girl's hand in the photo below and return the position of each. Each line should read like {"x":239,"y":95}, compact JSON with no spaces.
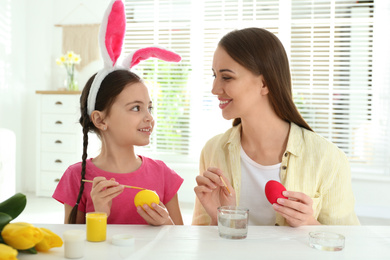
{"x":212,"y":192}
{"x":297,"y":209}
{"x":157,"y":216}
{"x":102,"y":193}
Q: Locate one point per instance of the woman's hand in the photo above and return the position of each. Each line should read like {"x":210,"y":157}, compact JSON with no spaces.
{"x":297,"y":209}
{"x":156,"y":216}
{"x":102,"y":193}
{"x":212,"y":192}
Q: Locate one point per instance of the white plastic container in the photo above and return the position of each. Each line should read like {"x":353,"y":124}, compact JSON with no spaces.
{"x":74,"y":243}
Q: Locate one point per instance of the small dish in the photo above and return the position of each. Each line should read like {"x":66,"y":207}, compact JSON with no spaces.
{"x":123,"y":240}
{"x":326,"y":241}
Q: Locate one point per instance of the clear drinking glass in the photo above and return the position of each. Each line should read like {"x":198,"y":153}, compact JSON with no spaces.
{"x":233,"y":222}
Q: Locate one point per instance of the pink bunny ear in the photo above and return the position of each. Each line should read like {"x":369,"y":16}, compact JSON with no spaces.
{"x":150,"y":52}
{"x":112,"y":31}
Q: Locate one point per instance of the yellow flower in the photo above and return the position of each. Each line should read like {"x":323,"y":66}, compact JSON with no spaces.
{"x":76,"y":59}
{"x":68,"y":60}
{"x":21,"y":235}
{"x":70,"y":55}
{"x":7,"y":252}
{"x":49,"y":240}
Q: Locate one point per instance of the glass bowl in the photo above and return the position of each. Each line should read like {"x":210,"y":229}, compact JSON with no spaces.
{"x":326,"y":241}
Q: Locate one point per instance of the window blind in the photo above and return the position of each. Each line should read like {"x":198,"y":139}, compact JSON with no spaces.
{"x":332,"y":68}
{"x":332,"y":50}
{"x":164,"y":23}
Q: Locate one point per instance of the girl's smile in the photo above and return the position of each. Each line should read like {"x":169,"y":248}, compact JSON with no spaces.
{"x":130,"y":121}
{"x":147,"y":130}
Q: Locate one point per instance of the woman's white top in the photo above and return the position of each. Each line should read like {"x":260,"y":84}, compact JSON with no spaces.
{"x":254,"y":176}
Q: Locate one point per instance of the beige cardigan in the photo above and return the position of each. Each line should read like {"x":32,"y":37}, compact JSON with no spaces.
{"x":310,"y":164}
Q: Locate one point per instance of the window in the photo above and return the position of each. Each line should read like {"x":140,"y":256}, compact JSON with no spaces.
{"x":338,"y":59}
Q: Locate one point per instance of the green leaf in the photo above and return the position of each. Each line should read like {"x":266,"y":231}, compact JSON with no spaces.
{"x":4,"y":219}
{"x":30,"y":250}
{"x":14,"y":205}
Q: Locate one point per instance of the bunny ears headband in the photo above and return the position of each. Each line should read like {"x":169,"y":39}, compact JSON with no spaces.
{"x":111,"y":35}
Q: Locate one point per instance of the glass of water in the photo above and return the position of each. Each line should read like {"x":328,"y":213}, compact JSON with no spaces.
{"x":233,"y":222}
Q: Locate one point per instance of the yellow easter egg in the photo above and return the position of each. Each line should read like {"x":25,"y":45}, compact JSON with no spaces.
{"x":146,"y":197}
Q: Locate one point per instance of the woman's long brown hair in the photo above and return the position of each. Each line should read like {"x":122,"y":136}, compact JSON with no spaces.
{"x":261,"y":52}
{"x":110,"y":88}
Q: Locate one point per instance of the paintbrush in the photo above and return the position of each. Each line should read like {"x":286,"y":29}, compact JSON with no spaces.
{"x":126,"y":186}
{"x":224,"y":183}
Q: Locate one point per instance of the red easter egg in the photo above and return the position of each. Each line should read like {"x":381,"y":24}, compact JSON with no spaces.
{"x":273,"y":191}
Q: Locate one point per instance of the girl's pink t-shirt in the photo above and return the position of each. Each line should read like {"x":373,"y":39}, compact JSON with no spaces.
{"x":153,"y":175}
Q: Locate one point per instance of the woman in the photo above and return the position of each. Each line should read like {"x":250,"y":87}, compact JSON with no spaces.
{"x":269,"y":140}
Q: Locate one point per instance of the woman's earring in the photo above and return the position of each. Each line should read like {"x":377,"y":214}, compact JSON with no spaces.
{"x":105,"y":128}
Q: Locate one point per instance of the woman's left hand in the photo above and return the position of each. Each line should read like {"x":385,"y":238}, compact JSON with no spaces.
{"x":156,"y":216}
{"x":297,"y":209}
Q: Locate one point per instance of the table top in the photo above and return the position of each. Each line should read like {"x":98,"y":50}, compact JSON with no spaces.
{"x":203,"y":242}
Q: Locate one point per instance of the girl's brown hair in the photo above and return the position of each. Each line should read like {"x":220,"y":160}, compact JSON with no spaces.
{"x":261,"y":52}
{"x":111,"y":87}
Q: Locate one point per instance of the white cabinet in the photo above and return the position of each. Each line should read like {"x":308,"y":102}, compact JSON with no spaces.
{"x":59,"y":137}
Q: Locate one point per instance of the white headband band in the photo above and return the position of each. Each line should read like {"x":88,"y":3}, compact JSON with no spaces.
{"x":97,"y":81}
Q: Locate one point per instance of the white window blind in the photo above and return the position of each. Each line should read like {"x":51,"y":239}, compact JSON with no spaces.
{"x":338,"y":64}
{"x":332,"y":45}
{"x":164,"y":23}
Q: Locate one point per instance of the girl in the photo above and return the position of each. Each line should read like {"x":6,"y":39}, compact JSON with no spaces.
{"x":122,"y":118}
{"x":269,"y":140}
{"x":115,"y":104}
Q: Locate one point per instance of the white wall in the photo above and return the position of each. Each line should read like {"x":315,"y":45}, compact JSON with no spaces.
{"x":29,"y":45}
{"x":42,"y":45}
{"x":13,"y":89}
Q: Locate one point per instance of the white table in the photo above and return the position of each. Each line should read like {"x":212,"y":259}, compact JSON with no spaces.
{"x":203,"y":242}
